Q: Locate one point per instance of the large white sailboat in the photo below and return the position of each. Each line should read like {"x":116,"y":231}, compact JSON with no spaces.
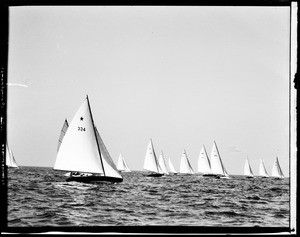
{"x":203,"y":162}
{"x":121,"y":165}
{"x":217,"y":168}
{"x":185,"y":166}
{"x":171,"y":166}
{"x":262,"y":170}
{"x":247,"y":169}
{"x":82,"y":151}
{"x":162,"y":163}
{"x":151,"y":162}
{"x":276,"y":170}
{"x":9,"y":158}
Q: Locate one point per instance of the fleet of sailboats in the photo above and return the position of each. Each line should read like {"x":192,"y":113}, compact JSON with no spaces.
{"x":151,"y":162}
{"x":82,"y":152}
{"x":9,"y":158}
{"x":247,"y":169}
{"x":276,"y":170}
{"x":121,"y":165}
{"x":185,"y":166}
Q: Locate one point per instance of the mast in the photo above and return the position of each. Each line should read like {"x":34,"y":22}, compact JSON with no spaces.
{"x":95,"y":134}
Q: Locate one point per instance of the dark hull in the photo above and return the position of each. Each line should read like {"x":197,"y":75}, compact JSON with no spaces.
{"x":92,"y":178}
{"x":212,"y":175}
{"x":155,"y":175}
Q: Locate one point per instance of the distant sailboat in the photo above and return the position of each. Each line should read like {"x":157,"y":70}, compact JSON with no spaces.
{"x":262,"y":170}
{"x":247,"y":169}
{"x":151,"y":163}
{"x":276,"y":170}
{"x":217,"y":167}
{"x":82,"y":151}
{"x":121,"y":165}
{"x":162,"y":163}
{"x":185,"y":166}
{"x":171,"y":166}
{"x":10,"y":159}
{"x":203,"y":162}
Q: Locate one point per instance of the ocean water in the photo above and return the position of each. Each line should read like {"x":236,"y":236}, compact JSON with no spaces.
{"x":39,"y":197}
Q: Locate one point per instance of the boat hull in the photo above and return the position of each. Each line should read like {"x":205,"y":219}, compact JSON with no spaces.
{"x":212,"y":175}
{"x":93,"y":178}
{"x":155,"y":175}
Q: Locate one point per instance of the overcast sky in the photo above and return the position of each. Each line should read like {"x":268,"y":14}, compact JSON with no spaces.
{"x":183,"y":76}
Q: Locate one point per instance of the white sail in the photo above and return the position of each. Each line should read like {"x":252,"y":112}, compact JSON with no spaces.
{"x":276,"y":170}
{"x":171,"y":166}
{"x":216,"y":164}
{"x":121,"y":165}
{"x":10,"y":159}
{"x":110,"y":168}
{"x":203,"y":162}
{"x":162,"y":163}
{"x":151,"y":162}
{"x":247,"y":169}
{"x":185,"y":166}
{"x":79,"y":150}
{"x":62,"y":133}
{"x":262,"y":169}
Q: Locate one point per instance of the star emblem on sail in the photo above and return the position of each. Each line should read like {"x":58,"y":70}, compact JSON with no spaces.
{"x":84,"y":151}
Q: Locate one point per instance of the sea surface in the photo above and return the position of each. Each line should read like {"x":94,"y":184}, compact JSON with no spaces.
{"x":41,"y":197}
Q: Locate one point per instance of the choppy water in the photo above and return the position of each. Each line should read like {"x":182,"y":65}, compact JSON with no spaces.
{"x":41,"y":197}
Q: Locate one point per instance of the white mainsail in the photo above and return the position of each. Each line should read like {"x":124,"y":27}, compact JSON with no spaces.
{"x":62,"y":133}
{"x":82,"y":148}
{"x":10,"y":159}
{"x":151,"y":162}
{"x":276,"y":170}
{"x":216,"y":164}
{"x":247,"y":169}
{"x":185,"y":166}
{"x":171,"y":166}
{"x":162,"y":163}
{"x":203,"y":162}
{"x":262,"y":169}
{"x":121,"y":165}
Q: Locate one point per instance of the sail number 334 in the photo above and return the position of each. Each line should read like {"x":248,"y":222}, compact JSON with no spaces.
{"x":81,"y":129}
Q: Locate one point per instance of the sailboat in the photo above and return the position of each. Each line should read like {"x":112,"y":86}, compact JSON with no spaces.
{"x":171,"y":166}
{"x":162,"y":164}
{"x":10,"y":159}
{"x":217,"y":168}
{"x":247,"y":169}
{"x":151,"y":163}
{"x":121,"y":165}
{"x":185,"y":166}
{"x":82,"y":152}
{"x":276,"y":170}
{"x":262,"y":170}
{"x":203,"y":162}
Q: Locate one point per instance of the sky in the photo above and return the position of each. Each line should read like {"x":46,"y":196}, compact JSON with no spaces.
{"x":182,"y":76}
